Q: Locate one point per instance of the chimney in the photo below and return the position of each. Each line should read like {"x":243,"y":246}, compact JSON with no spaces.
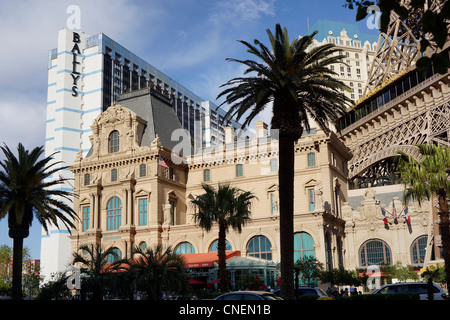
{"x":229,"y":135}
{"x":261,"y":129}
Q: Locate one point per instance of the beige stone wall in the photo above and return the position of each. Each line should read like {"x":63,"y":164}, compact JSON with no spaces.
{"x":159,"y":187}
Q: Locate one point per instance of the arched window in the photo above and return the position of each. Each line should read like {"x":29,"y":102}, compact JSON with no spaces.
{"x":303,"y":246}
{"x":143,"y":245}
{"x":113,"y":142}
{"x":374,"y":252}
{"x":184,"y":247}
{"x":114,"y":213}
{"x":418,"y":250}
{"x":214,"y":246}
{"x":260,"y":247}
{"x":114,"y":257}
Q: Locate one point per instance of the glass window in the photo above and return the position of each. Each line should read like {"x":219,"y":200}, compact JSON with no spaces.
{"x":87,"y":179}
{"x":143,"y":245}
{"x":311,"y":199}
{"x":184,"y":248}
{"x":117,"y":255}
{"x":329,"y":253}
{"x":303,"y":246}
{"x":260,"y":247}
{"x":114,"y":213}
{"x":142,"y":170}
{"x":172,"y":212}
{"x":311,"y":159}
{"x":114,"y":175}
{"x":214,"y":246}
{"x":239,"y":170}
{"x":206,"y":175}
{"x":114,"y":142}
{"x":340,"y":253}
{"x":142,"y":212}
{"x":86,"y":217}
{"x":375,"y":252}
{"x":273,"y":165}
{"x":273,"y":202}
{"x":418,"y":250}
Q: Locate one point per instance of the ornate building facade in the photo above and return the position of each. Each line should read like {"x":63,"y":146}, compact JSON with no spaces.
{"x":134,"y":194}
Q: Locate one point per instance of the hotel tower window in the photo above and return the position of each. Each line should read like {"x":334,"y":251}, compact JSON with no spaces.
{"x":114,"y":141}
{"x":114,"y":213}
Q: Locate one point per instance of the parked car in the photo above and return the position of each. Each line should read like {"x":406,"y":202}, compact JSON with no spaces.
{"x":248,"y":295}
{"x":306,"y":291}
{"x":413,"y":287}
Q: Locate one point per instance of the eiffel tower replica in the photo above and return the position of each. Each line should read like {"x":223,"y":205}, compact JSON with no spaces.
{"x":401,"y":107}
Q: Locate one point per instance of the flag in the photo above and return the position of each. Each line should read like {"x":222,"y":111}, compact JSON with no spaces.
{"x":384,"y":215}
{"x":394,"y":212}
{"x":161,"y":162}
{"x":61,"y":179}
{"x":407,"y":217}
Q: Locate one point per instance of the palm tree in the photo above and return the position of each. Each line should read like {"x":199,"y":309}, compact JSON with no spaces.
{"x":296,"y":80}
{"x":26,"y":193}
{"x":95,"y":263}
{"x":426,"y":178}
{"x":157,"y":270}
{"x":228,"y":207}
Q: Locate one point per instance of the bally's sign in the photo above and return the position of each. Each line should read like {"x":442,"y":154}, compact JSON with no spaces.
{"x":75,"y":74}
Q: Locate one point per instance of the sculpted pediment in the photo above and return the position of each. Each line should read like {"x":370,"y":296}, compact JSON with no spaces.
{"x":126,"y":125}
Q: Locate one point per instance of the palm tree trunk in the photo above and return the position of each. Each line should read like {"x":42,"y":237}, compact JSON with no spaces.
{"x":286,"y":187}
{"x":444,"y":228}
{"x":17,"y":268}
{"x":17,"y":232}
{"x":223,"y":274}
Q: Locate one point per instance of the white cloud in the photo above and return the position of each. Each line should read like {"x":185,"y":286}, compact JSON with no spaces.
{"x":238,"y":11}
{"x":23,"y":120}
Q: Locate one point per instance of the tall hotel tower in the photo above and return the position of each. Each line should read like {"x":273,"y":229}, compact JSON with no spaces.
{"x":85,"y":76}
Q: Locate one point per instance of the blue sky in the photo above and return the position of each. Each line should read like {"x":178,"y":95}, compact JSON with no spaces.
{"x":188,"y":40}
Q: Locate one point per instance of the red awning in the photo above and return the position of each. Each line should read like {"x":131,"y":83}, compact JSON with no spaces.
{"x":205,"y":260}
{"x":195,"y":281}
